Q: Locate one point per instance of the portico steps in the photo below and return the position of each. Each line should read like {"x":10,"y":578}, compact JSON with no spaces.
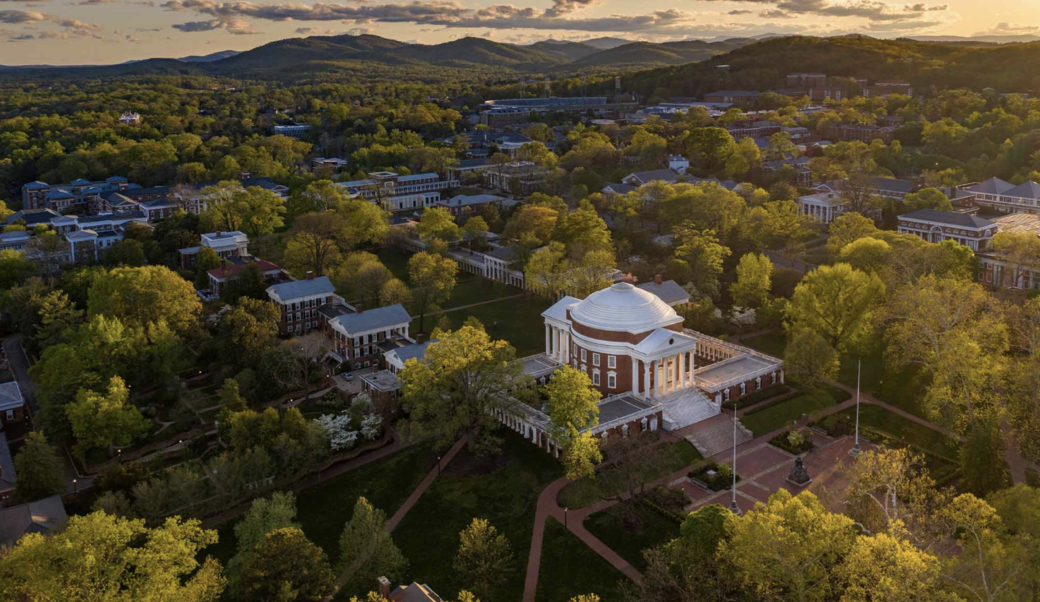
{"x":718,"y":437}
{"x":686,"y":407}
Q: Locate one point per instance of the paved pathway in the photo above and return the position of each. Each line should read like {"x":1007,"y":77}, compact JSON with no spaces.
{"x":424,"y":485}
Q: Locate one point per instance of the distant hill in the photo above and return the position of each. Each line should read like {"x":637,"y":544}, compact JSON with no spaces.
{"x":762,"y":65}
{"x":606,"y":43}
{"x":668,"y":53}
{"x":572,"y":51}
{"x":208,"y":58}
{"x":478,"y":51}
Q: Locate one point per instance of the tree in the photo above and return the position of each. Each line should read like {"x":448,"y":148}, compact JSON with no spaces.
{"x":484,"y":557}
{"x":810,"y":359}
{"x":548,"y":271}
{"x":846,"y":228}
{"x":433,"y":278}
{"x":982,"y":460}
{"x":14,"y":267}
{"x":249,"y":330}
{"x":582,"y":230}
{"x":363,"y":223}
{"x":206,"y":260}
{"x":100,"y":419}
{"x":286,"y":566}
{"x":437,"y":222}
{"x":261,"y":210}
{"x":221,"y":201}
{"x":753,"y":283}
{"x":870,"y":255}
{"x":126,"y":252}
{"x":838,"y":303}
{"x":264,"y":516}
{"x":789,"y":547}
{"x":927,"y":198}
{"x":475,"y":231}
{"x":40,"y":471}
{"x":989,"y":567}
{"x":319,"y":196}
{"x":150,"y":294}
{"x":537,"y":220}
{"x":885,"y":567}
{"x":313,"y":243}
{"x":105,"y":557}
{"x":393,"y":292}
{"x":464,"y":378}
{"x":59,"y":319}
{"x":592,"y":272}
{"x":367,"y":551}
{"x":699,"y":256}
{"x":573,"y":411}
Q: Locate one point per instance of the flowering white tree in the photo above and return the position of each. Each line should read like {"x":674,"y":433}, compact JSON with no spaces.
{"x":337,"y":429}
{"x":370,"y":426}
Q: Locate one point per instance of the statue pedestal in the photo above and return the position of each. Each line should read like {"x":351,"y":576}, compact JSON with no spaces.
{"x":799,"y":476}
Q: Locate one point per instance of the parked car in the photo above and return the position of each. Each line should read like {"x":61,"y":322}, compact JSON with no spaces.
{"x":347,"y":376}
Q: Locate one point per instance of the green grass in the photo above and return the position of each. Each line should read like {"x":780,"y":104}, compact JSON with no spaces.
{"x":876,"y":417}
{"x":324,"y":509}
{"x":904,"y":388}
{"x":784,"y":413}
{"x":570,"y":568}
{"x":673,"y":457}
{"x":502,"y":489}
{"x":518,"y":321}
{"x":773,"y":343}
{"x":655,"y":530}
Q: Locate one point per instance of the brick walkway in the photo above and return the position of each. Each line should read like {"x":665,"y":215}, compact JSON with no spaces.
{"x":426,"y":482}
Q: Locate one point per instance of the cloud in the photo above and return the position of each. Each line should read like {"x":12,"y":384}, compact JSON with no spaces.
{"x":94,"y":2}
{"x":872,"y":10}
{"x":740,"y":12}
{"x":230,"y":24}
{"x":565,"y":7}
{"x":440,"y":13}
{"x":69,"y":26}
{"x":1010,"y":29}
{"x":21,"y":37}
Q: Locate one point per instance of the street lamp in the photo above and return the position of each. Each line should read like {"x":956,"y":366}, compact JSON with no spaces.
{"x":75,"y":485}
{"x":733,"y":505}
{"x":856,"y":451}
{"x":120,"y":453}
{"x":438,"y":466}
{"x":565,"y":517}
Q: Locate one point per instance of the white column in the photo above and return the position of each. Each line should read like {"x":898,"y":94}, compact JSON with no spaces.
{"x":547,"y":349}
{"x":682,"y":369}
{"x":656,"y":381}
{"x":566,"y":346}
{"x":646,"y":379}
{"x":635,"y":377}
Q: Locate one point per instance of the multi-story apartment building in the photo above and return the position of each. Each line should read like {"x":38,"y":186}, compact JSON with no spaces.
{"x":299,"y":301}
{"x":226,"y":244}
{"x":936,"y":226}
{"x":400,"y":193}
{"x":848,"y":132}
{"x":806,"y":80}
{"x":60,"y":197}
{"x":1005,"y":197}
{"x":359,"y":337}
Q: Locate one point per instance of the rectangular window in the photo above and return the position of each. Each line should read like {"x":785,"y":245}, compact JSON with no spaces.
{"x":10,"y":414}
{"x":611,"y":380}
{"x":595,"y":359}
{"x":611,"y":361}
{"x":595,"y":377}
{"x":583,"y":357}
{"x":743,"y":388}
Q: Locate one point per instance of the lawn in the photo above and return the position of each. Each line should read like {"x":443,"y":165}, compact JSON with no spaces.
{"x":501,"y":488}
{"x":900,"y":428}
{"x":322,"y":510}
{"x":772,"y":344}
{"x":904,"y":389}
{"x":674,"y":456}
{"x":518,"y":321}
{"x":784,"y":413}
{"x":654,"y":530}
{"x":570,"y":568}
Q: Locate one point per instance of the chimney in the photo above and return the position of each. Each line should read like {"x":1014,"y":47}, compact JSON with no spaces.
{"x":219,"y":234}
{"x":310,"y":274}
{"x":658,"y":279}
{"x":384,"y":587}
{"x":359,"y":308}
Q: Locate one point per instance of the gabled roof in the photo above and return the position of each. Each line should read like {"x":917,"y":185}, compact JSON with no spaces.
{"x":37,"y":185}
{"x":295,"y":289}
{"x":663,"y":339}
{"x":894,"y":184}
{"x":373,"y":319}
{"x":953,"y":218}
{"x":416,"y":351}
{"x":558,"y":310}
{"x":32,"y":217}
{"x":466,"y":200}
{"x":664,"y":175}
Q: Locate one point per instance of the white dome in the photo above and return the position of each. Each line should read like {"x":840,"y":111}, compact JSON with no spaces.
{"x":623,"y":307}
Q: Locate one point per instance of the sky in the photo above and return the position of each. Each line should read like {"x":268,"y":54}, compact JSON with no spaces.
{"x":73,"y":32}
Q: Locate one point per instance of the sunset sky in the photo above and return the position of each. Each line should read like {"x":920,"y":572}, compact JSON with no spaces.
{"x":112,"y":31}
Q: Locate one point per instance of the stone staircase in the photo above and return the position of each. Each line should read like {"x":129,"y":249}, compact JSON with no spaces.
{"x":686,"y":407}
{"x":718,"y":437}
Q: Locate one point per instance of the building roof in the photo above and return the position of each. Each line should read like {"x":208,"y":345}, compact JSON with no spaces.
{"x":1019,"y":222}
{"x":664,"y":175}
{"x":558,"y":310}
{"x":894,"y":184}
{"x":503,"y":253}
{"x":295,"y":289}
{"x":748,"y":93}
{"x":41,"y":516}
{"x":623,"y":307}
{"x":953,"y":218}
{"x":31,"y":217}
{"x":373,"y":319}
{"x":1025,"y":190}
{"x":414,"y":351}
{"x":414,"y":593}
{"x":992,"y":186}
{"x":668,"y":291}
{"x":234,"y":269}
{"x":467,"y":200}
{"x":383,"y":380}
